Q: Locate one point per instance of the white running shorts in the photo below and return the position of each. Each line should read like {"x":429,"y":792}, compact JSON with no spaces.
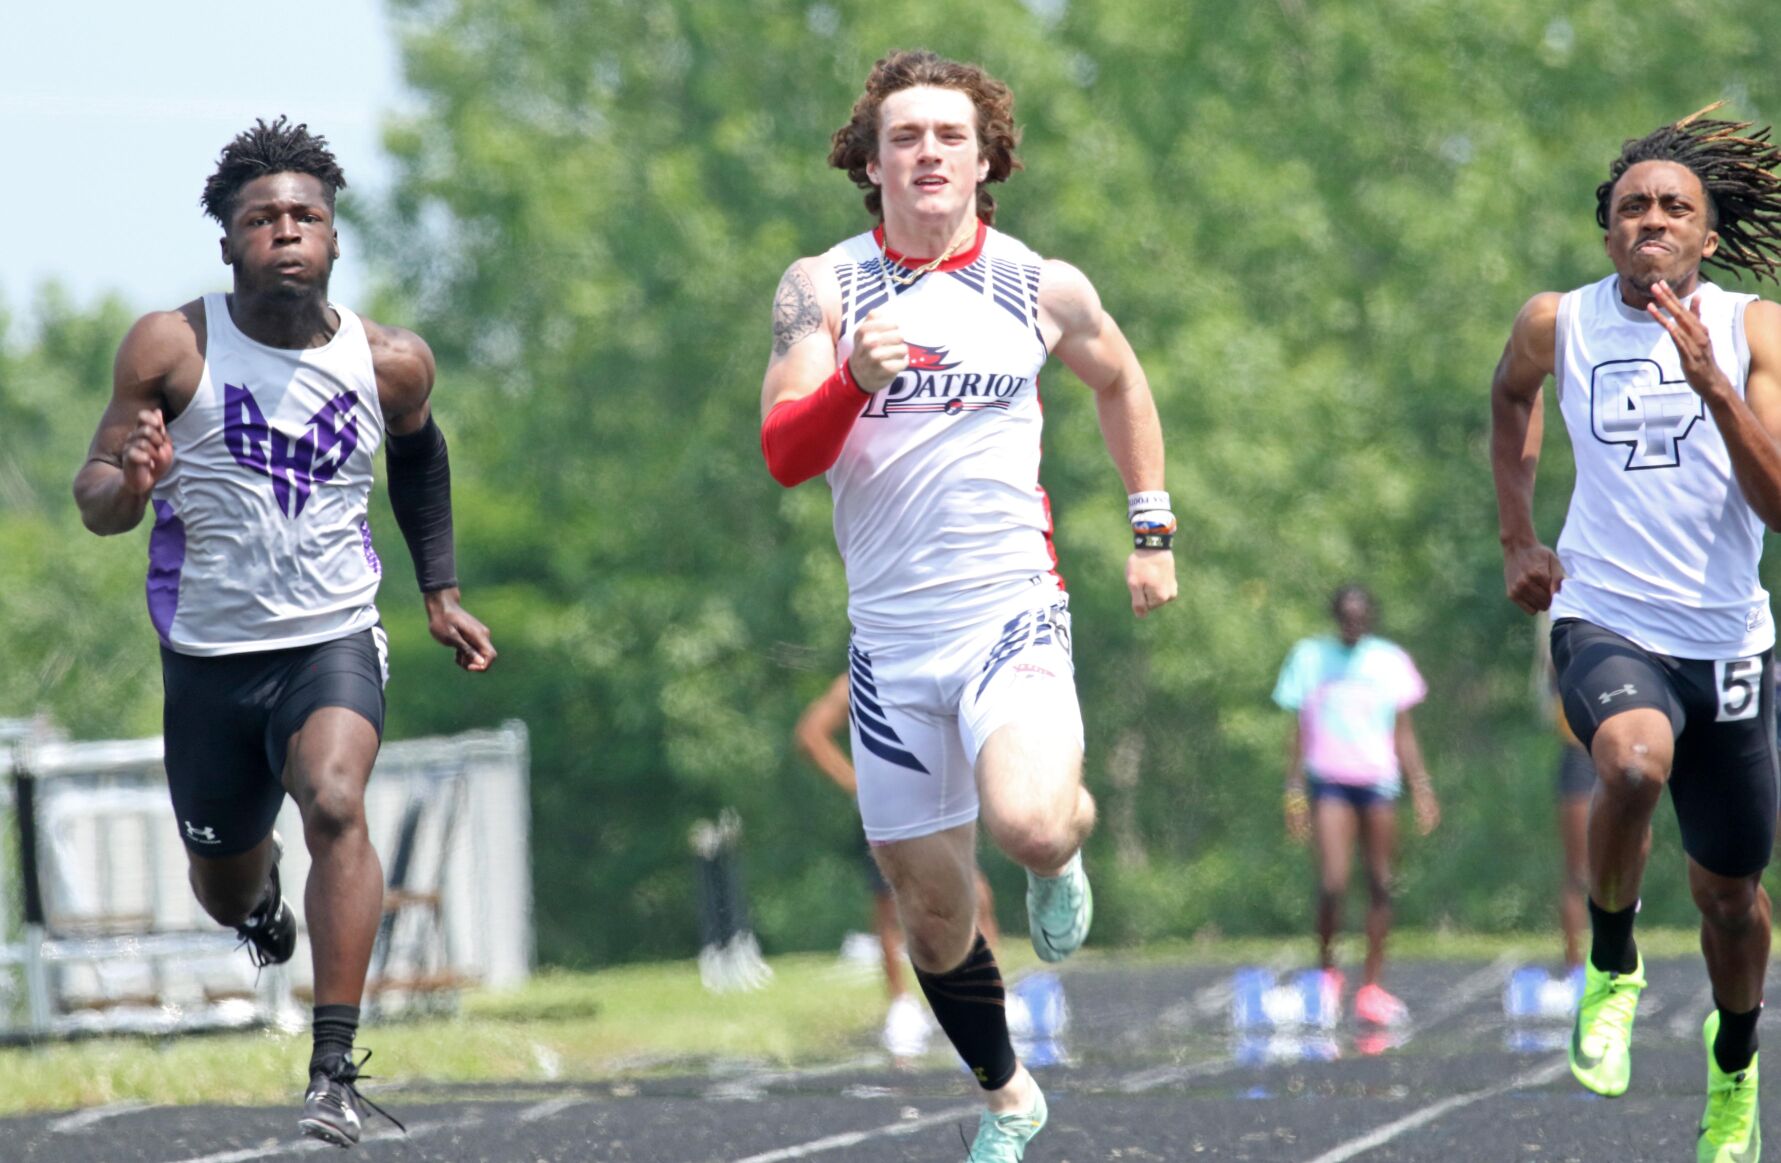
{"x":922,"y":706}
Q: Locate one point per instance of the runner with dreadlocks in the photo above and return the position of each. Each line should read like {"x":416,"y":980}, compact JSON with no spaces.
{"x":1671,"y":390}
{"x":249,"y":421}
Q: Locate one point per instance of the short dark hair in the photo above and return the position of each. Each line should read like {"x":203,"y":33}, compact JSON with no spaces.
{"x":1736,"y":171}
{"x":278,"y":148}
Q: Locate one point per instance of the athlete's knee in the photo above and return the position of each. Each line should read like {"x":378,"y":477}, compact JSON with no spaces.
{"x":1731,"y":906}
{"x":1379,"y":889}
{"x":1632,"y":771}
{"x":939,"y":931}
{"x":1036,"y":840}
{"x":332,"y":803}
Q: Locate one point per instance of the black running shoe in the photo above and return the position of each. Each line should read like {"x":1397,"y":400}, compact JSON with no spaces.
{"x":270,"y":931}
{"x":332,"y":1105}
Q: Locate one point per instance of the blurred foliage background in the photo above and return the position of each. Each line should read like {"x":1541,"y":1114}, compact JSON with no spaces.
{"x":1315,"y":222}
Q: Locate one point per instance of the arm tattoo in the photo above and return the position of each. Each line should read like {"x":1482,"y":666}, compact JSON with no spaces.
{"x":796,"y":313}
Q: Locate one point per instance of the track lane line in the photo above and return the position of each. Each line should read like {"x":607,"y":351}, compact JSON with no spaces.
{"x":1380,"y":1136}
{"x":81,"y":1120}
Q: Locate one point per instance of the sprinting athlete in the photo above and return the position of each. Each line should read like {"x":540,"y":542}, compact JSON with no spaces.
{"x":905,"y":365}
{"x":1350,"y":749}
{"x":906,"y":1027}
{"x":249,"y":421}
{"x":1670,"y":388}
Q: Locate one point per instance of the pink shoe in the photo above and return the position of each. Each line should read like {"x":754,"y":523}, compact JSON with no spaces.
{"x":1375,"y":1007}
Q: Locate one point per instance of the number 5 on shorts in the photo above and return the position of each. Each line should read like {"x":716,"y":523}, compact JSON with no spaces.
{"x":1739,"y":683}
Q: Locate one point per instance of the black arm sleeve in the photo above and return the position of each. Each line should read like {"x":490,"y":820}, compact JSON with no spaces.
{"x":420,"y":494}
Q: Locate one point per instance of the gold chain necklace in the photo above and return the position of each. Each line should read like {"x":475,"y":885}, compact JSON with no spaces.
{"x":905,"y":276}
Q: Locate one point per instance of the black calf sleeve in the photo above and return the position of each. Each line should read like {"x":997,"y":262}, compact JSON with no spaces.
{"x":971,"y":1007}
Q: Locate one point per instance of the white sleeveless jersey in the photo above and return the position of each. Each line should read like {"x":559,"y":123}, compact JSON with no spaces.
{"x":1659,"y":545}
{"x":938,"y":510}
{"x":261,"y":540}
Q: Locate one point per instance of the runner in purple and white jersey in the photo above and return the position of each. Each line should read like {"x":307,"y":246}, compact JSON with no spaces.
{"x":905,"y":365}
{"x":249,"y":420}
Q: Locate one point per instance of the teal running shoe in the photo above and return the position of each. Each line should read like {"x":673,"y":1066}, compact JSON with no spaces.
{"x":1004,"y":1138}
{"x":1059,"y":911}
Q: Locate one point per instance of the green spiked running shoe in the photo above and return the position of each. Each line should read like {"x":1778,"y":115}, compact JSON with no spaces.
{"x":1004,"y":1138}
{"x":1731,"y":1132}
{"x":1059,"y":911}
{"x":1601,"y":1041}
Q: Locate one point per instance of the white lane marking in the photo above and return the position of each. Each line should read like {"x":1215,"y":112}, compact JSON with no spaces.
{"x":1145,"y":1080}
{"x":81,"y":1120}
{"x":551,"y":1108}
{"x":267,"y":1151}
{"x":1380,"y":1136}
{"x":1688,"y":1019}
{"x":274,"y":1149}
{"x":855,"y":1138}
{"x":1469,"y":989}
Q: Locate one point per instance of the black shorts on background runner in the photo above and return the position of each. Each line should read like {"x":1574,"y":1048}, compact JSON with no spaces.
{"x":228,"y":723}
{"x":1723,"y":781}
{"x":1576,"y":773}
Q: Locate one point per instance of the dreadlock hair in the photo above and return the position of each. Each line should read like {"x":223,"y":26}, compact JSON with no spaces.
{"x":1743,"y":191}
{"x":278,"y":148}
{"x":856,"y":143}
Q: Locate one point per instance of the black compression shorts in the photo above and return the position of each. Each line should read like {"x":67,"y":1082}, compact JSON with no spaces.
{"x":228,"y":722}
{"x":1723,"y":781}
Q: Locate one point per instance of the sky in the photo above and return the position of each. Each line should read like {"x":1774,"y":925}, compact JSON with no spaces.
{"x":112,"y":114}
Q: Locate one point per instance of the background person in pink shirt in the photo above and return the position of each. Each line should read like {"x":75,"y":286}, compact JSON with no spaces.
{"x":1351,"y":694}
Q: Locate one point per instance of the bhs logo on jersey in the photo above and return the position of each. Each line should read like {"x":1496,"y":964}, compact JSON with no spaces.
{"x":1631,"y":403}
{"x":930,"y":385}
{"x":296,"y":464}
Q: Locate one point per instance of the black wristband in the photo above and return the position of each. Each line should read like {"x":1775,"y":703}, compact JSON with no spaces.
{"x":420,"y":495}
{"x":1153,"y":540}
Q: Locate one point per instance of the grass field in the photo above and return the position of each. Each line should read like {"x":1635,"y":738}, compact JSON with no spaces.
{"x":616,"y":1023}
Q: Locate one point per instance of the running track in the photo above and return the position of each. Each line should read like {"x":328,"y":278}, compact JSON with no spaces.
{"x":1153,"y":1074}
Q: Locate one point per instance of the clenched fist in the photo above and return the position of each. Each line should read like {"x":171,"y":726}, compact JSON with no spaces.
{"x":147,"y":453}
{"x":879,"y":353}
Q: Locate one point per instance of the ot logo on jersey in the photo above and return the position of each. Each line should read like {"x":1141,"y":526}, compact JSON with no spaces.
{"x":929,"y":384}
{"x":296,"y":464}
{"x":1631,"y":403}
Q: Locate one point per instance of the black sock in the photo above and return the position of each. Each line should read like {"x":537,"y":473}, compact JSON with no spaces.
{"x":1735,"y":1044}
{"x":334,"y":1028}
{"x":971,"y":1007}
{"x":1611,"y":947}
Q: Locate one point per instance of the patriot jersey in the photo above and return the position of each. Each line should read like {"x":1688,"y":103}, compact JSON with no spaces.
{"x":261,"y":539}
{"x":1659,"y":545}
{"x":939,"y":514}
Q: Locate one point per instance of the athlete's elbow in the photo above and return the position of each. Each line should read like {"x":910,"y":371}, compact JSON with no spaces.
{"x":783,"y":466}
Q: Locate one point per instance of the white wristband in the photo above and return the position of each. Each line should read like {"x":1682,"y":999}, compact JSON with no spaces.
{"x":1138,"y":502}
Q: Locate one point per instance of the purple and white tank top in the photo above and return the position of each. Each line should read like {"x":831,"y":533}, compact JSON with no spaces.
{"x":261,"y":538}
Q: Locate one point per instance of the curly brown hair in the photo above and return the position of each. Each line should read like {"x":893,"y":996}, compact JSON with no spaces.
{"x":856,"y":143}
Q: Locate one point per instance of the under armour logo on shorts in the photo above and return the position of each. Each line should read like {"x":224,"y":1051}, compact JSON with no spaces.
{"x":197,"y":835}
{"x":1607,"y":697}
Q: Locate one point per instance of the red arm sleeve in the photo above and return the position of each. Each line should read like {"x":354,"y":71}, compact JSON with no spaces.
{"x":802,"y":438}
